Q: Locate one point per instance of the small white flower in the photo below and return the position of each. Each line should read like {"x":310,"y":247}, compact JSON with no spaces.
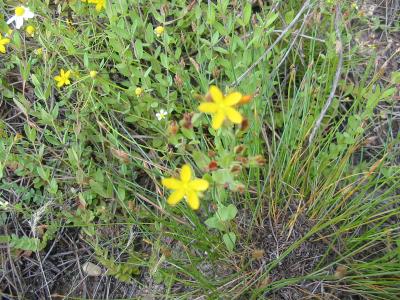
{"x":161,"y":114}
{"x":22,"y":13}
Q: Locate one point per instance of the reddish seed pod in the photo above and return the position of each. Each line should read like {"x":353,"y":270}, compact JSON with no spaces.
{"x":260,"y":160}
{"x":178,"y":81}
{"x":240,"y":149}
{"x":245,"y":125}
{"x":173,"y":127}
{"x":240,"y":188}
{"x":187,"y":120}
{"x":213,"y":165}
{"x":236,"y":169}
{"x":243,"y":160}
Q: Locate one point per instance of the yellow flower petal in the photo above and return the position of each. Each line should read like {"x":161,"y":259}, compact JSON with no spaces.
{"x":208,"y":107}
{"x":60,"y":83}
{"x":175,"y":197}
{"x":171,"y":183}
{"x":186,"y":173}
{"x":199,"y":185}
{"x":193,"y":200}
{"x":68,"y":73}
{"x":57,"y":78}
{"x":217,"y":120}
{"x":67,"y":81}
{"x":232,"y":99}
{"x":233,"y":115}
{"x":4,"y":41}
{"x":2,"y":49}
{"x":216,"y":94}
{"x":62,"y":73}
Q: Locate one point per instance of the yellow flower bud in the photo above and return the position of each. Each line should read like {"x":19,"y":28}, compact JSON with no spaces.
{"x":30,"y":30}
{"x":93,"y":74}
{"x":38,"y":51}
{"x":159,"y":30}
{"x":138,"y":91}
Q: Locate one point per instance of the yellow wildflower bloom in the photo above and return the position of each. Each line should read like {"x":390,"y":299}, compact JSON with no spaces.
{"x":138,"y":91}
{"x":159,"y":30}
{"x":38,"y":51}
{"x":3,"y":43}
{"x":63,"y":78}
{"x":100,"y":4}
{"x":221,"y":107}
{"x":30,"y":30}
{"x":185,"y":187}
{"x":93,"y":74}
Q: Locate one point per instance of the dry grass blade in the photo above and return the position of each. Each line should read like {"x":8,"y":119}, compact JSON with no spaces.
{"x":339,"y":50}
{"x":279,"y":38}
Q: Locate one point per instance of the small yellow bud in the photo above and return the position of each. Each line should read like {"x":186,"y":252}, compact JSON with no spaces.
{"x":30,"y":30}
{"x":38,"y":51}
{"x":159,"y":30}
{"x":18,"y":137}
{"x":93,"y":74}
{"x":138,"y":91}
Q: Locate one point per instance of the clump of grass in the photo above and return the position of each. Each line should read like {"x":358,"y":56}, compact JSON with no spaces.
{"x":105,"y":103}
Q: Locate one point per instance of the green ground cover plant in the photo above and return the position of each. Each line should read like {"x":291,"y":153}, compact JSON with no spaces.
{"x":197,"y":150}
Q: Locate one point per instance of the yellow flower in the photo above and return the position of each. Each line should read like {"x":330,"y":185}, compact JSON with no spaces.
{"x":63,"y":78}
{"x":30,"y":30}
{"x":100,"y":4}
{"x":93,"y":74}
{"x":138,"y":91}
{"x":221,"y":107}
{"x":3,"y":42}
{"x":159,"y":30}
{"x":185,"y":187}
{"x":38,"y":51}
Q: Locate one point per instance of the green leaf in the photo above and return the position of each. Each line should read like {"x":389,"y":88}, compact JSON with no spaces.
{"x":138,"y":49}
{"x":22,"y":104}
{"x":52,"y":187}
{"x":289,"y":16}
{"x":211,"y":14}
{"x":201,"y":159}
{"x":271,"y":20}
{"x":247,"y":13}
{"x":222,"y":176}
{"x":98,"y":188}
{"x":226,"y":213}
{"x":388,"y":93}
{"x":44,"y":174}
{"x":30,"y":133}
{"x":395,"y":78}
{"x":25,"y":243}
{"x":188,"y":133}
{"x":215,"y":223}
{"x":149,"y":35}
{"x":229,"y":240}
